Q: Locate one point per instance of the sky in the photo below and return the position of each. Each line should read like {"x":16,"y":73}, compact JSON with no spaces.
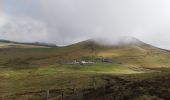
{"x":68,"y":21}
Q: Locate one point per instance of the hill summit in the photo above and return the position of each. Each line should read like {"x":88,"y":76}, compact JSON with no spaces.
{"x":117,"y":41}
{"x":127,"y":50}
{"x":111,"y":42}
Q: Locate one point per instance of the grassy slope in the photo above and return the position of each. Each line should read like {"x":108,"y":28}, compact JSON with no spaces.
{"x":140,"y":55}
{"x":25,"y":70}
{"x":19,"y":83}
{"x":25,"y":84}
{"x":20,"y":45}
{"x":14,"y":81}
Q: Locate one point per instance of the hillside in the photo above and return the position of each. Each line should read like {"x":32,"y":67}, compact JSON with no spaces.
{"x":133,"y":53}
{"x":136,"y":72}
{"x":13,"y":44}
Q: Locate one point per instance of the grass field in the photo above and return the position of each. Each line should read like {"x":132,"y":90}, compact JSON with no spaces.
{"x":32,"y":83}
{"x":50,"y":74}
{"x":141,"y":72}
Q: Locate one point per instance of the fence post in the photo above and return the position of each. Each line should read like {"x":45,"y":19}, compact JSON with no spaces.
{"x":94,"y":83}
{"x":62,"y":95}
{"x":104,"y":90}
{"x":48,"y":94}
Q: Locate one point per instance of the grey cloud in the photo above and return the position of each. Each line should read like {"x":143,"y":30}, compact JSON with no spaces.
{"x":68,"y":21}
{"x":24,"y":29}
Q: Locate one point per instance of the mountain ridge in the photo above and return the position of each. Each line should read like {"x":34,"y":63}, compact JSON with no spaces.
{"x":20,"y":44}
{"x":136,"y":53}
{"x":131,"y":54}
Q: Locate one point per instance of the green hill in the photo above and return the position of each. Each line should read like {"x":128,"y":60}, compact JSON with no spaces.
{"x":133,"y":53}
{"x":27,"y":73}
{"x":13,"y":44}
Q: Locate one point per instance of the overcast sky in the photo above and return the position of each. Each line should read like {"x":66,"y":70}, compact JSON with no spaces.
{"x":68,"y":21}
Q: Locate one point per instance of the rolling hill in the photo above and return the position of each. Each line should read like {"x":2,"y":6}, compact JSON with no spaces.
{"x":13,"y":44}
{"x":131,"y":51}
{"x":140,"y":71}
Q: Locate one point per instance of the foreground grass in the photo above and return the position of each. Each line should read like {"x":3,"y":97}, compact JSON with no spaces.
{"x":18,"y":80}
{"x":25,"y":73}
{"x":59,"y":68}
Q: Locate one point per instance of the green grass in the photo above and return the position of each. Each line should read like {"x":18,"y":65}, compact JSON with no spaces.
{"x":54,"y":76}
{"x":63,"y":76}
{"x":98,"y":68}
{"x":65,"y":68}
{"x":139,"y":55}
{"x":35,"y":69}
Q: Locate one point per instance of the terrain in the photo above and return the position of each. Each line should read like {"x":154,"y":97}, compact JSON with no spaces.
{"x":13,"y":44}
{"x":133,"y":70}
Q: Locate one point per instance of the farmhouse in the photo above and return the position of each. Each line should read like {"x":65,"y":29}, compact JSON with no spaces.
{"x":82,"y":62}
{"x":89,"y":62}
{"x":86,"y":62}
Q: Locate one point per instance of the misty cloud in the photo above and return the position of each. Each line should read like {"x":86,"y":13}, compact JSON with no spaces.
{"x":24,"y":29}
{"x":67,"y":21}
